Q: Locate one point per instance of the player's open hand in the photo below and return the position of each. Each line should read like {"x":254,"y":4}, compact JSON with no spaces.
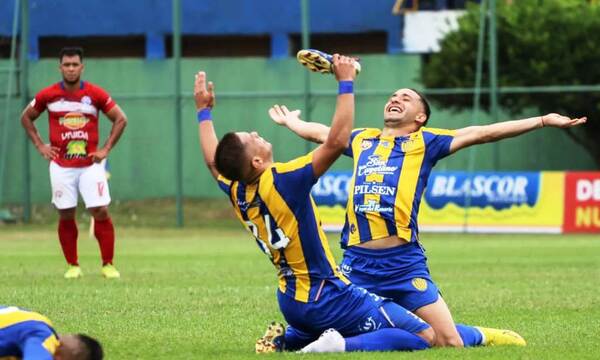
{"x":203,"y":95}
{"x":343,"y":68}
{"x":98,"y":155}
{"x":557,"y":120}
{"x":48,"y":151}
{"x":282,"y":116}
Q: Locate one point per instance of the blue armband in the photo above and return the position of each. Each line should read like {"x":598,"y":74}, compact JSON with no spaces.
{"x":204,"y":115}
{"x":345,"y":87}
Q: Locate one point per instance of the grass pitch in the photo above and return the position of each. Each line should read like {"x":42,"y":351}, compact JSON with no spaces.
{"x":208,"y":294}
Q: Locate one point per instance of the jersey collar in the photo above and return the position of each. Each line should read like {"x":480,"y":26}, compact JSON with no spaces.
{"x":81,"y":83}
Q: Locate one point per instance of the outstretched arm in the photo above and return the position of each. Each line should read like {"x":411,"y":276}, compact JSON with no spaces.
{"x":341,"y":125}
{"x":489,"y":133}
{"x":29,"y":115}
{"x":310,"y":131}
{"x":205,"y":100}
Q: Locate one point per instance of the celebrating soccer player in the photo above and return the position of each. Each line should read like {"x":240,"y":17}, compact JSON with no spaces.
{"x":381,"y":235}
{"x":76,"y":162}
{"x":29,"y":335}
{"x":273,"y":202}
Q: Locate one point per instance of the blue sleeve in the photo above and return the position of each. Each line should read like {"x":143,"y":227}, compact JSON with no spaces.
{"x":437,"y":143}
{"x":224,"y":184}
{"x":33,"y":349}
{"x":348,"y":152}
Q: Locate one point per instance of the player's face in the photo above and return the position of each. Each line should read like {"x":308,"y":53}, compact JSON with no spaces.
{"x":255,"y":145}
{"x":402,"y":107}
{"x":71,"y":68}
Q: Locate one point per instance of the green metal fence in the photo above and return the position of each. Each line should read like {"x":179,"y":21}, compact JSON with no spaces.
{"x":158,"y":156}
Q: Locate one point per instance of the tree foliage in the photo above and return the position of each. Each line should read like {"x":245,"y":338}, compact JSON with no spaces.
{"x":540,"y":43}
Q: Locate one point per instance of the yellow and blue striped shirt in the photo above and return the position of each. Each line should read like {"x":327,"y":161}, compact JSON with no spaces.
{"x":390,"y":175}
{"x":282,"y":216}
{"x":26,"y":334}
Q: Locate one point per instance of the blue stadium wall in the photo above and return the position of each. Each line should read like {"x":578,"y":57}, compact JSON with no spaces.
{"x":153,"y":19}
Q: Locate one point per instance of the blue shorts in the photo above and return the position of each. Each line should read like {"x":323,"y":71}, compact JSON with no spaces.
{"x":399,"y":273}
{"x":349,"y":309}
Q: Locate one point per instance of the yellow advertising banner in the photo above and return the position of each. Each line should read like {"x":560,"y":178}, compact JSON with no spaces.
{"x":499,"y":202}
{"x":458,"y":201}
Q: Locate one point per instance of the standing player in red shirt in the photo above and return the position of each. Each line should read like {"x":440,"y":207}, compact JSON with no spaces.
{"x":76,"y":162}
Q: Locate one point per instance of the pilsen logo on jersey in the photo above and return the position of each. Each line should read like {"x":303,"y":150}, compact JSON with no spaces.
{"x":73,"y":120}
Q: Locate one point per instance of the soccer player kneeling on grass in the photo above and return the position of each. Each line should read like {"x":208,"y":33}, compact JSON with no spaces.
{"x":29,"y":335}
{"x":273,"y":202}
{"x":383,"y":253}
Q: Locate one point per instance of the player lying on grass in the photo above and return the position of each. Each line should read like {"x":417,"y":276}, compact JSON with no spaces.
{"x":30,"y":336}
{"x":381,"y":235}
{"x":273,"y":202}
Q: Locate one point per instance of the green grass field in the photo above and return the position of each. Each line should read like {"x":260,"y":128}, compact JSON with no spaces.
{"x":208,"y":294}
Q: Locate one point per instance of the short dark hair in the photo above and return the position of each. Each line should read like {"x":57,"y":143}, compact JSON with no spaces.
{"x":70,"y":51}
{"x":426,"y":107}
{"x":93,"y":347}
{"x":230,"y":157}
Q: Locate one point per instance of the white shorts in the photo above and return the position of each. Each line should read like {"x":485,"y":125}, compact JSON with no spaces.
{"x":90,"y":181}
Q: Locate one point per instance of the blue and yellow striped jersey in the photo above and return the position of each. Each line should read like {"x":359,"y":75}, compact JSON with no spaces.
{"x":390,"y":174}
{"x":25,"y":334}
{"x":282,"y":216}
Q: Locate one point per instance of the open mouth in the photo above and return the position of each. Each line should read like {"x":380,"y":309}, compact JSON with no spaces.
{"x":395,"y":109}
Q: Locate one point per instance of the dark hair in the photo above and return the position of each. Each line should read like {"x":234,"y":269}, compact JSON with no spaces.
{"x":230,"y":157}
{"x":70,"y":51}
{"x":426,"y":107}
{"x":92,"y":346}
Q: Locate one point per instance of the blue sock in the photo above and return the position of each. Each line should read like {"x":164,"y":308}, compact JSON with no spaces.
{"x":389,"y":339}
{"x":294,"y":341}
{"x":470,"y":335}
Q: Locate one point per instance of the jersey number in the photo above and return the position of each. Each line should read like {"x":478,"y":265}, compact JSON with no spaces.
{"x":278,"y":240}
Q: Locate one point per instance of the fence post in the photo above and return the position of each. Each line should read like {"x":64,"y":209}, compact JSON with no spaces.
{"x":493,"y":65}
{"x":305,"y":45}
{"x":177,"y":102}
{"x":24,"y":87}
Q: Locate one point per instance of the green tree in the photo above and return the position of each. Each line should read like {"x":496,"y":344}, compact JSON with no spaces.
{"x":543,"y":42}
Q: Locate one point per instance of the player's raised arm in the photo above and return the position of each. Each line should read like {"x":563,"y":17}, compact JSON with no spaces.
{"x":205,"y":99}
{"x":29,"y":115}
{"x":343,"y":119}
{"x":489,"y":133}
{"x":310,"y":131}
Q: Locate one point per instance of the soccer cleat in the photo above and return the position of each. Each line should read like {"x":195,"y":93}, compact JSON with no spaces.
{"x":272,"y":341}
{"x":330,"y":341}
{"x":73,"y":272}
{"x":319,"y":61}
{"x":110,"y":272}
{"x":495,"y":337}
